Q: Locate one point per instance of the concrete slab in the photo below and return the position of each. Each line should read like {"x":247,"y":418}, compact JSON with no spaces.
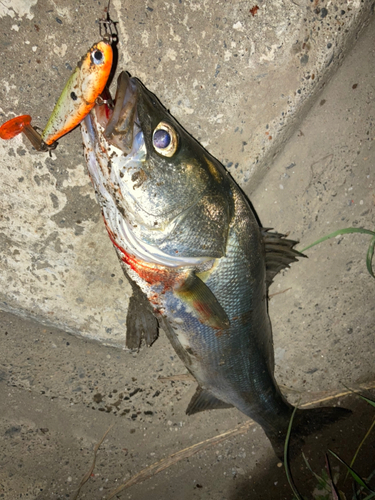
{"x":60,"y":394}
{"x":238,"y":76}
{"x":321,"y":182}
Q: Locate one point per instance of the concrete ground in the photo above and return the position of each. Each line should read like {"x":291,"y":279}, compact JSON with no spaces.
{"x":60,"y":393}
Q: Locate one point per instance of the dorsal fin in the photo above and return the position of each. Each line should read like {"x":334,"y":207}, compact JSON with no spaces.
{"x":279,"y":253}
{"x":204,"y":400}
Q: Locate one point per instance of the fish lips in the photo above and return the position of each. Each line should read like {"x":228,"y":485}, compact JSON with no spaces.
{"x":122,"y":125}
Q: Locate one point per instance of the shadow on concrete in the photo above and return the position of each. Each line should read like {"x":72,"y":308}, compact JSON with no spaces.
{"x":344,"y":438}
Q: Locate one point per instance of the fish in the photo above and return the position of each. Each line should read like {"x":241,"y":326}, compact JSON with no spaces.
{"x":198,"y":260}
{"x":78,"y":97}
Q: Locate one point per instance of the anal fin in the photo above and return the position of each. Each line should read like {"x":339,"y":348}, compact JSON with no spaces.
{"x":204,"y":400}
{"x":196,"y":294}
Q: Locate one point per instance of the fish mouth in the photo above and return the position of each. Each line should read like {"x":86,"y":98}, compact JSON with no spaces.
{"x":121,"y":124}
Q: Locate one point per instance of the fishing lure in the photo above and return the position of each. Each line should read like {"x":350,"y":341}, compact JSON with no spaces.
{"x":81,"y":91}
{"x":78,"y":97}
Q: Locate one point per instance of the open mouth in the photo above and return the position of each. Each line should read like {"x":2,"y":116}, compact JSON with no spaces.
{"x":120,"y":123}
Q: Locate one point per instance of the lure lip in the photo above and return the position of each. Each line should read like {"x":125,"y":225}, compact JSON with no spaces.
{"x":14,"y":126}
{"x":22,"y":124}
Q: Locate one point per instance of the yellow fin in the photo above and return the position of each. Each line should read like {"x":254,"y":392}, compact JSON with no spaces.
{"x":199,"y":297}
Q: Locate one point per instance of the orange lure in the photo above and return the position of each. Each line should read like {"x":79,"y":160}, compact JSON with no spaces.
{"x":81,"y":91}
{"x":75,"y":102}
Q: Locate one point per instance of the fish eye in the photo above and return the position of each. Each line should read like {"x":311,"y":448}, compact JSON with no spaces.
{"x":97,"y":57}
{"x":162,"y":139}
{"x":165,"y":140}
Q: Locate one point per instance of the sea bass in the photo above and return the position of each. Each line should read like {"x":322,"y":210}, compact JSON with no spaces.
{"x":190,"y":244}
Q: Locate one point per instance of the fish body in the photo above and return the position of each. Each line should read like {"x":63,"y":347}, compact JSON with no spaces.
{"x":189,"y":241}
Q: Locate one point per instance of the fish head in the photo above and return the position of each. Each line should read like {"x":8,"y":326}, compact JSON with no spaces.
{"x":156,"y":184}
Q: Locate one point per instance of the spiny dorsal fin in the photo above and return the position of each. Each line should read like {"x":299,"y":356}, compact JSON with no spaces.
{"x":204,"y":400}
{"x":279,"y":253}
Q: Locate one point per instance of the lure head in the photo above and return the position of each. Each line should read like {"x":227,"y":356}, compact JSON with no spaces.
{"x":94,"y":69}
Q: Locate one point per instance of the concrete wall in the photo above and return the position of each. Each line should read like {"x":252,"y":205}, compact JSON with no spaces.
{"x":240,"y":83}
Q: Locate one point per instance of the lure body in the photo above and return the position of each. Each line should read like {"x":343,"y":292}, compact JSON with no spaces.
{"x":81,"y":91}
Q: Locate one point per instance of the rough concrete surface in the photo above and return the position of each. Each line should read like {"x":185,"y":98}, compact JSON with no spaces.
{"x":324,"y":181}
{"x":239,"y":76}
{"x":59,"y":393}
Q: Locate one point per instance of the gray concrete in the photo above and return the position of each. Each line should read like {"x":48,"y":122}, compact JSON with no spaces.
{"x":59,"y":393}
{"x":240,"y":83}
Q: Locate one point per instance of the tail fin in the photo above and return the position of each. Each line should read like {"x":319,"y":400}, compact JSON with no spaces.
{"x":305,"y":422}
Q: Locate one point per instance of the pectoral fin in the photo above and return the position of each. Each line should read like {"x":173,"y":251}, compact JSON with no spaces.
{"x":199,"y":297}
{"x":204,"y":400}
{"x":140,"y":322}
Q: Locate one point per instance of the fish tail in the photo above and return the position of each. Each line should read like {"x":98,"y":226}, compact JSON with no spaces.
{"x":305,"y":423}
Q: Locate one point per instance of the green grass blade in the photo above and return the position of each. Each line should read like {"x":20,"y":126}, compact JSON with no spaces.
{"x":349,"y":230}
{"x":334,"y":492}
{"x":371,"y":495}
{"x":369,"y":401}
{"x":360,"y":446}
{"x":286,"y":462}
{"x":322,"y":481}
{"x":372,"y":403}
{"x":369,"y":256}
{"x":319,"y":478}
{"x":355,"y":476}
{"x":357,"y":492}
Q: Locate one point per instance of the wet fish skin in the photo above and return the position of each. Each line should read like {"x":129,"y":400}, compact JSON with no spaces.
{"x":187,"y":236}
